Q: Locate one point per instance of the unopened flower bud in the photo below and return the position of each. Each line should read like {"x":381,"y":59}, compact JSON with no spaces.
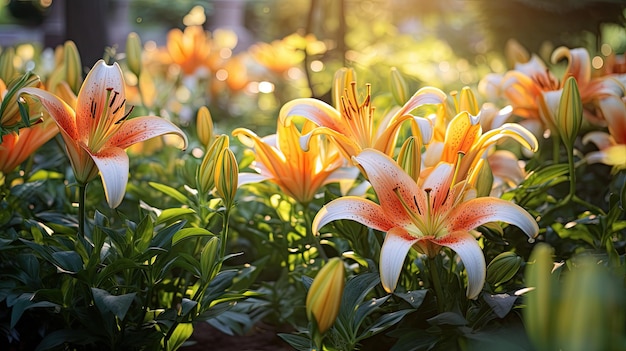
{"x":226,"y":176}
{"x":569,"y":115}
{"x":324,"y":296}
{"x":410,"y":157}
{"x":73,"y":66}
{"x":204,"y":126}
{"x":133,"y":53}
{"x":503,"y":267}
{"x":205,"y":176}
{"x":399,"y":88}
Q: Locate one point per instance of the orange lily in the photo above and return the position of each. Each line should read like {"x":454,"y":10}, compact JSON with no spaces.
{"x":98,"y":131}
{"x":189,"y":48}
{"x":352,"y":125}
{"x":425,"y":216}
{"x":524,"y":85}
{"x":611,"y":145}
{"x":279,"y":159}
{"x":17,"y":147}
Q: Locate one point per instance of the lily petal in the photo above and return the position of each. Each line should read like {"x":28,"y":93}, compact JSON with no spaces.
{"x":466,"y":246}
{"x":353,"y":208}
{"x":395,"y":247}
{"x":314,"y":110}
{"x":475,"y":212}
{"x":139,"y":129}
{"x":113,"y":165}
{"x":60,"y":111}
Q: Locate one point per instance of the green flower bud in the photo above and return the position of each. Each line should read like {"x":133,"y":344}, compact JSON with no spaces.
{"x":538,"y":316}
{"x":226,"y":176}
{"x":399,"y":88}
{"x":204,"y":126}
{"x":208,"y":257}
{"x":73,"y":66}
{"x":133,"y":53}
{"x":569,"y":115}
{"x":324,"y":296}
{"x":205,"y":175}
{"x":410,"y":157}
{"x":503,"y":267}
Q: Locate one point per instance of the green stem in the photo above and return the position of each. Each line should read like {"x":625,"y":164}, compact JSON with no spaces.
{"x":308,"y":224}
{"x":224,"y":235}
{"x":82,"y":193}
{"x":436,"y":282}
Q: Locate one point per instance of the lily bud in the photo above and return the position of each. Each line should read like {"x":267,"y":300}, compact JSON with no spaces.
{"x":226,"y":176}
{"x":538,"y":313}
{"x":204,"y":126}
{"x":324,"y":296}
{"x":569,"y":115}
{"x":587,"y":317}
{"x":503,"y":267}
{"x":73,"y":66}
{"x":133,"y":53}
{"x":205,"y":175}
{"x":208,"y":257}
{"x":7,"y":69}
{"x":410,"y":157}
{"x":467,"y":102}
{"x":399,"y":88}
{"x":342,"y":80}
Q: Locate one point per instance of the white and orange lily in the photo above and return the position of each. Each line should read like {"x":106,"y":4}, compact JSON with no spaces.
{"x":424,"y":216}
{"x":611,"y":145}
{"x":351,"y":124}
{"x":98,"y":130}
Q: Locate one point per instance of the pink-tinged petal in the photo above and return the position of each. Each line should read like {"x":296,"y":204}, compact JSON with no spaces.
{"x":505,"y":164}
{"x":579,"y":63}
{"x":395,"y":247}
{"x":467,"y":248}
{"x":475,"y":212}
{"x":92,"y":98}
{"x":143,"y":128}
{"x":424,"y":96}
{"x":353,"y":208}
{"x":614,"y":112}
{"x":314,"y":110}
{"x":249,"y":178}
{"x":602,"y":140}
{"x":389,"y":182}
{"x":61,"y":112}
{"x":113,"y":165}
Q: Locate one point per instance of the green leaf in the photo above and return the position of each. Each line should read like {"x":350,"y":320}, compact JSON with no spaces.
{"x":68,"y":261}
{"x":65,"y":336}
{"x":182,"y":332}
{"x":116,"y":304}
{"x":174,"y":214}
{"x":143,"y":235}
{"x":163,"y":238}
{"x":384,"y":322}
{"x":173,"y":193}
{"x":20,"y":303}
{"x":187,"y":233}
{"x":298,"y":342}
{"x":415,"y":298}
{"x":118,"y":265}
{"x":501,"y":304}
{"x":447,"y":318}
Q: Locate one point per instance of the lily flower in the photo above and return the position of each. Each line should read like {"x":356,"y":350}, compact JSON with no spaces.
{"x":16,"y":147}
{"x":352,"y":126}
{"x":190,"y":49}
{"x":424,"y":216}
{"x":611,"y":145}
{"x":279,"y":159}
{"x":98,"y":130}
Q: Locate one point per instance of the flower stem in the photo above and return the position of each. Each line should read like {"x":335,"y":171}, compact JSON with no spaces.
{"x":433,"y":269}
{"x":81,"y":210}
{"x":308,"y":223}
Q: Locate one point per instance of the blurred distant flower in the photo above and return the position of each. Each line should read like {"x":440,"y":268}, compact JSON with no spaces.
{"x":279,"y":55}
{"x":189,"y":48}
{"x":426,"y":216}
{"x":98,"y":131}
{"x":279,"y":159}
{"x":611,"y":145}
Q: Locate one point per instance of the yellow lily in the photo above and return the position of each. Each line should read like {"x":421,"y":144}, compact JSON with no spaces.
{"x":426,"y":216}
{"x":351,"y":125}
{"x":279,"y":159}
{"x":98,"y":130}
